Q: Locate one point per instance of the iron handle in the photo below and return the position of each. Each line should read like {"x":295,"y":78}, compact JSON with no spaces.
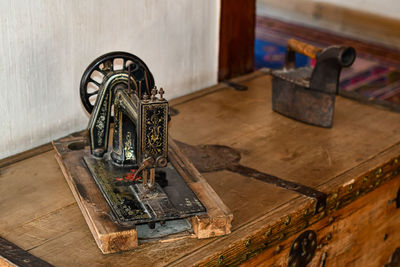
{"x":303,"y":48}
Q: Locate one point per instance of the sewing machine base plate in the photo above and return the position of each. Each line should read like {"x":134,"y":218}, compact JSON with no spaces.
{"x":170,"y":199}
{"x":112,"y":236}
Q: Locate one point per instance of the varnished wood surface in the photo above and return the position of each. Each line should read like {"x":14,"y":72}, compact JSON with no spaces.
{"x":362,"y":234}
{"x":25,"y":155}
{"x":39,"y":214}
{"x":111,"y":237}
{"x":275,"y":144}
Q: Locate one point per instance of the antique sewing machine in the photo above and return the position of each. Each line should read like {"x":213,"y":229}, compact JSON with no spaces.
{"x":134,"y":175}
{"x":131,"y":180}
{"x":307,"y":94}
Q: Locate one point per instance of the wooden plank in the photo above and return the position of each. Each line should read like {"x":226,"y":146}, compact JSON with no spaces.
{"x":244,"y":120}
{"x":218,"y":220}
{"x":30,"y":189}
{"x":236,"y":41}
{"x":111,"y":237}
{"x":364,"y":233}
{"x":284,"y":142}
{"x":6,"y":263}
{"x":53,"y":244}
{"x":269,"y":232}
{"x":327,"y":159}
{"x":234,"y":248}
{"x":108,"y":236}
{"x":63,"y":238}
{"x":25,"y":155}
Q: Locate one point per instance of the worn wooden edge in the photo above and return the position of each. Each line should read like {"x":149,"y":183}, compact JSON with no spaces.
{"x":350,"y":185}
{"x":298,"y":214}
{"x":220,"y":86}
{"x":103,"y":238}
{"x":216,"y":222}
{"x":6,"y":263}
{"x":109,"y":237}
{"x":242,"y":241}
{"x":333,"y":225}
{"x":25,"y":155}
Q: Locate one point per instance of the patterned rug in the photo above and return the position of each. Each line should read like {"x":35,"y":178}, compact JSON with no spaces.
{"x":369,"y":79}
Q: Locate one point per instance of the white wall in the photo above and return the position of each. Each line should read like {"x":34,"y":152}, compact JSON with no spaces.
{"x":386,"y":8}
{"x":45,"y":46}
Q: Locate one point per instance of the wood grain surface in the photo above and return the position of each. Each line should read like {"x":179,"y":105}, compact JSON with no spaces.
{"x":364,"y":233}
{"x":112,"y":237}
{"x":40,"y":215}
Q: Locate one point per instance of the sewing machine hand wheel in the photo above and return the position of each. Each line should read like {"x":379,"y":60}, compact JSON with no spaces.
{"x":95,"y":73}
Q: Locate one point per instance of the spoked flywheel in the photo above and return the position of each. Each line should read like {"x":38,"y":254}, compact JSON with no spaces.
{"x":104,"y":66}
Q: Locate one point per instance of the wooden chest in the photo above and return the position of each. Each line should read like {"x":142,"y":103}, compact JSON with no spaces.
{"x":235,"y":140}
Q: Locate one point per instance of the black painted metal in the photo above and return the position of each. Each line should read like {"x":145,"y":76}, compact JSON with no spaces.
{"x":397,"y":199}
{"x":319,"y":196}
{"x":140,"y":70}
{"x":171,"y":198}
{"x":18,"y":256}
{"x":302,"y":249}
{"x":134,"y":176}
{"x":394,"y":259}
{"x":211,"y":158}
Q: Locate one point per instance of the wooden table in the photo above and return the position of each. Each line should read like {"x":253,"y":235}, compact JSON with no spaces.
{"x":355,"y":163}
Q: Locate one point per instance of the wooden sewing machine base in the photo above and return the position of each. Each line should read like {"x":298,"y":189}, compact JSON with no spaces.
{"x":112,"y":237}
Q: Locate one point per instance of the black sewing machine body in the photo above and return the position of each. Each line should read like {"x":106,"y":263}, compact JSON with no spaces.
{"x":134,"y":175}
